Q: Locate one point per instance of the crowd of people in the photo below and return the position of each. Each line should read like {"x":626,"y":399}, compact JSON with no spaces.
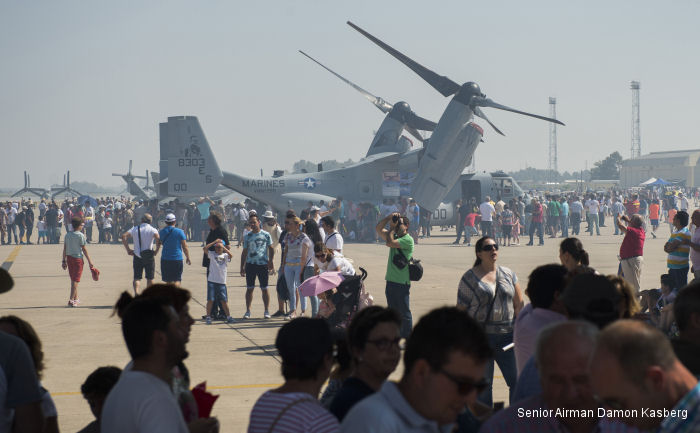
{"x":588,"y":352}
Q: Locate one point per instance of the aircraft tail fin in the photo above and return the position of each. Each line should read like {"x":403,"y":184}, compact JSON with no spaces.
{"x":187,"y":163}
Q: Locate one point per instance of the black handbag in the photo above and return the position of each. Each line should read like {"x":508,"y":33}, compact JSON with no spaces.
{"x":415,"y":269}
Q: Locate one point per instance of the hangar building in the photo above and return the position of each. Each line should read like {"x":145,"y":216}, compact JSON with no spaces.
{"x":677,"y":165}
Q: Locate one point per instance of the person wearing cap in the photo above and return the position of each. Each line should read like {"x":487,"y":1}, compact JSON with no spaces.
{"x":174,"y":244}
{"x":270,"y":225}
{"x":144,"y":257}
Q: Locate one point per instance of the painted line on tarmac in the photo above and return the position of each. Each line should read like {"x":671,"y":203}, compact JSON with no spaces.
{"x":11,"y":258}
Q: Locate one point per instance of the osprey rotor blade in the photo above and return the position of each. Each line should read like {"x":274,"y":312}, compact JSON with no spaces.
{"x":485,"y":102}
{"x":440,"y":83}
{"x":414,"y":132}
{"x":380,"y":103}
{"x":415,"y":121}
{"x":479,"y":113}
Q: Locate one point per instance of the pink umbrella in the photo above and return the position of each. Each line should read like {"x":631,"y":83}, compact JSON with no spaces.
{"x":320,"y":283}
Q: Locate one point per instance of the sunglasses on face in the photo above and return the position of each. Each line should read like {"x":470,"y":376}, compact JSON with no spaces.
{"x":320,"y":256}
{"x":466,"y":386}
{"x":489,"y":247}
{"x":385,"y":343}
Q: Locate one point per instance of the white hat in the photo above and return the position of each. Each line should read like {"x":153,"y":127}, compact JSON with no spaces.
{"x":169,"y":218}
{"x":315,"y":208}
{"x":268,"y":214}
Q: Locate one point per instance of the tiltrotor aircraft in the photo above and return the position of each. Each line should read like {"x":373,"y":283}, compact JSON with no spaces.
{"x":132,"y":187}
{"x":391,"y":168}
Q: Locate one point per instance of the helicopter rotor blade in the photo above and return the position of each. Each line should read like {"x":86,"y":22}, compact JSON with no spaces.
{"x":415,"y":121}
{"x":486,"y":102}
{"x":479,"y":113}
{"x":440,"y":83}
{"x":414,"y":132}
{"x":378,"y":102}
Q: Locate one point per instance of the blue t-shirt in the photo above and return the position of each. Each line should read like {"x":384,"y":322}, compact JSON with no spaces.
{"x":203,"y":210}
{"x":171,"y":238}
{"x":257,"y":245}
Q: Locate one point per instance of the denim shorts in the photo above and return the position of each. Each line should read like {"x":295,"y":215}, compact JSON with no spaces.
{"x":216,"y":291}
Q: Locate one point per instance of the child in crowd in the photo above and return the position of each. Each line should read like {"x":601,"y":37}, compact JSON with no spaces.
{"x":73,"y":252}
{"x":107,"y":228}
{"x":41,"y":227}
{"x":470,"y":222}
{"x":516,"y":228}
{"x":659,"y":304}
{"x":216,"y":278}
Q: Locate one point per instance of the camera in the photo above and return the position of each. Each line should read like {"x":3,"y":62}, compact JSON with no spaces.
{"x":395,"y":218}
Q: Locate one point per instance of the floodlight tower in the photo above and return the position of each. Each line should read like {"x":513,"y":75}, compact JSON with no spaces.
{"x":553,"y":166}
{"x":636,"y":135}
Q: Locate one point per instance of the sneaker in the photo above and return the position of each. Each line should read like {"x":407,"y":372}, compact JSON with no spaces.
{"x":230,"y":320}
{"x":208,"y":320}
{"x":267,"y":314}
{"x":279,"y":313}
{"x":247,"y":315}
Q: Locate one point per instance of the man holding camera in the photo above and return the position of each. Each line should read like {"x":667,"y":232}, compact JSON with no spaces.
{"x":398,"y":283}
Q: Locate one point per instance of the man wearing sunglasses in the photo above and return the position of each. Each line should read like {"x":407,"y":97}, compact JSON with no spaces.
{"x":444,"y":362}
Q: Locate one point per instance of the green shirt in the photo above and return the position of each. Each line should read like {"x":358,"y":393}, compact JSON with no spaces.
{"x":554,"y":208}
{"x":74,"y":244}
{"x":393,"y":273}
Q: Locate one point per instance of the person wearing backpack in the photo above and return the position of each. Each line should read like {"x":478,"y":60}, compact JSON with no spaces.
{"x":398,"y":282}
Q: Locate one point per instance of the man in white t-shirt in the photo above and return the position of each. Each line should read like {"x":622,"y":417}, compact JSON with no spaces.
{"x":487,"y":210}
{"x":333,"y":240}
{"x":144,"y":256}
{"x":142,"y":400}
{"x":592,"y":208}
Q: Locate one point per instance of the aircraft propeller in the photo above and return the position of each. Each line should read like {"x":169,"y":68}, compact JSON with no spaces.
{"x":412,"y":121}
{"x":470,"y":92}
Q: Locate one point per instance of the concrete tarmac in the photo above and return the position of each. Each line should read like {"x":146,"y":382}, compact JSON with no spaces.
{"x":238,"y":361}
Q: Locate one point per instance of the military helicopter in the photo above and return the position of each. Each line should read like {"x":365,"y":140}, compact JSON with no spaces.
{"x":429,"y":174}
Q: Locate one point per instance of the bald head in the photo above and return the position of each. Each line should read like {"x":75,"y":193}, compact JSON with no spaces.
{"x":574,"y":338}
{"x":636,"y":346}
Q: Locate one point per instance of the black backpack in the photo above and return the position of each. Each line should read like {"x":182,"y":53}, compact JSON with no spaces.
{"x":415,"y":269}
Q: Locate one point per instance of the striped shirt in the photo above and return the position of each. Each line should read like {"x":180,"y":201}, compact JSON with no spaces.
{"x":686,"y":418}
{"x":678,"y":258}
{"x":532,"y":416}
{"x":306,"y":416}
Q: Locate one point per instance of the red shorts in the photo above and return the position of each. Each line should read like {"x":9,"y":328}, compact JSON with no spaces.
{"x":75,"y":268}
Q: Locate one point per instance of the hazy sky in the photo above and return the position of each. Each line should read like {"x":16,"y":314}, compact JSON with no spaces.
{"x":85,"y":84}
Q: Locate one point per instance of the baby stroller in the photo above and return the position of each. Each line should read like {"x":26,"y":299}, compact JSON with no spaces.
{"x":349,"y":298}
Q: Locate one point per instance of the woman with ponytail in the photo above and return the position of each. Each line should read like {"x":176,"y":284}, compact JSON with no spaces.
{"x":572,"y":255}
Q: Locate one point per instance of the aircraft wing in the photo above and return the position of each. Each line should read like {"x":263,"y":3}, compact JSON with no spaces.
{"x":306,"y":196}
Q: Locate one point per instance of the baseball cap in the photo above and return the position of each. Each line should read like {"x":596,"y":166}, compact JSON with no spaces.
{"x":170,"y":218}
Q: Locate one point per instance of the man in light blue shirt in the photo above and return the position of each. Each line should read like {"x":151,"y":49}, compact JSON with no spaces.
{"x":445,"y":361}
{"x":564,"y":215}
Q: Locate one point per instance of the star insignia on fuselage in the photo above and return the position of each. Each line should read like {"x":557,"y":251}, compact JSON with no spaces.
{"x":309,"y":183}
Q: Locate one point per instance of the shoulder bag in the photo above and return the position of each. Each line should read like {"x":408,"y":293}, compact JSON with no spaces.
{"x":146,"y":255}
{"x":415,"y":269}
